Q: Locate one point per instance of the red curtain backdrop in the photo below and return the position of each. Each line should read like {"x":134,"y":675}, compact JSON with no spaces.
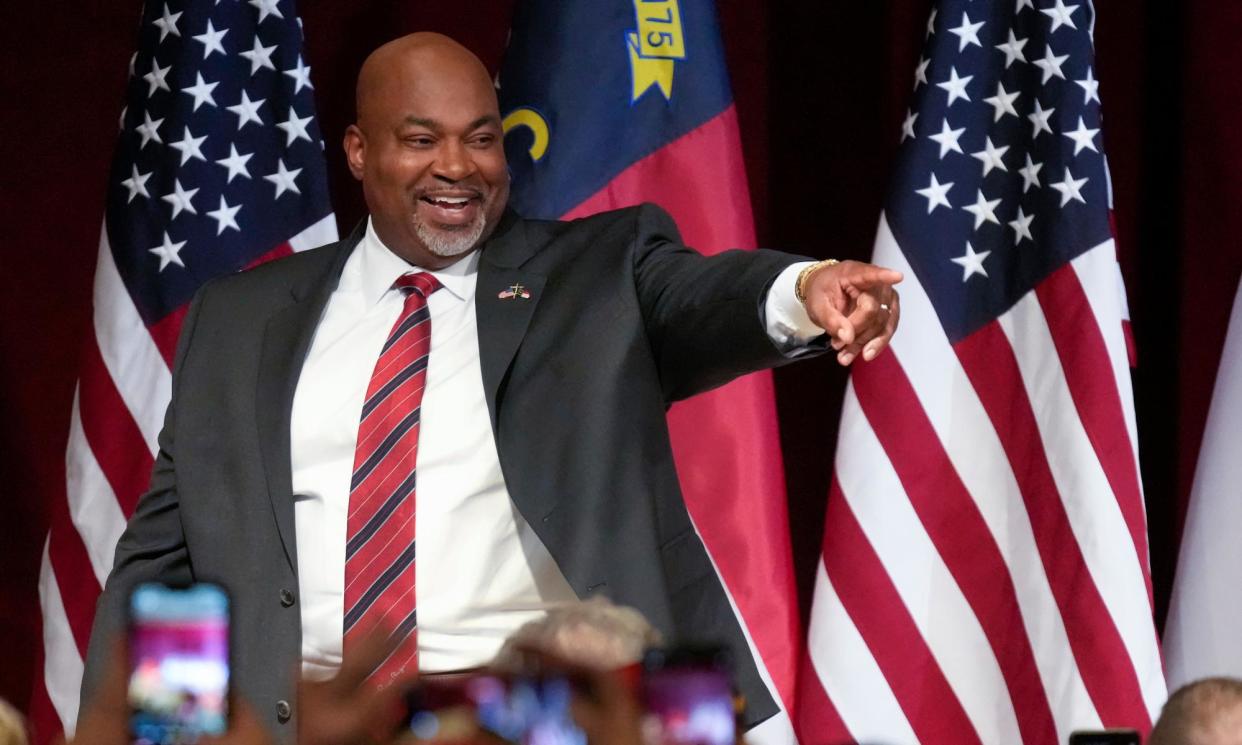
{"x":821,"y":87}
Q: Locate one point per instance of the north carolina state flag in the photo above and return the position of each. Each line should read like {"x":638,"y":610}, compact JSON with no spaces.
{"x":628,"y":102}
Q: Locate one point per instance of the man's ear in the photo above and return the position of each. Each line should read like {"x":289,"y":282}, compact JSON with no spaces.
{"x":355,"y":150}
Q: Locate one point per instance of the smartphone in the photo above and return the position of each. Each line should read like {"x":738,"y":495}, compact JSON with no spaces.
{"x":687,"y":694}
{"x":1105,"y":737}
{"x":525,"y":710}
{"x":178,"y":663}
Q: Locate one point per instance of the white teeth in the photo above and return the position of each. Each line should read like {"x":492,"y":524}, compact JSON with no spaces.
{"x":451,"y":200}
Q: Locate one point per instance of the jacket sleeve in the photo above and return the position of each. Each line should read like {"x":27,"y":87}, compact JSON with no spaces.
{"x":152,"y":548}
{"x":703,"y":314}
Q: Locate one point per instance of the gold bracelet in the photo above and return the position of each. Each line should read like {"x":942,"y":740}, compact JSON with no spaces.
{"x":805,"y":274}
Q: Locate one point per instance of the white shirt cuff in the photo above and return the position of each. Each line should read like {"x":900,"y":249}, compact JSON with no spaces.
{"x":788,"y":324}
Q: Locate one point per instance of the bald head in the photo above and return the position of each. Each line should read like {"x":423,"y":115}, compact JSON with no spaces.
{"x":1206,"y":712}
{"x":424,"y":58}
{"x":428,"y":149}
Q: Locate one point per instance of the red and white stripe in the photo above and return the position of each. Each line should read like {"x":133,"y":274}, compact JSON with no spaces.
{"x":984,"y":575}
{"x":124,"y":385}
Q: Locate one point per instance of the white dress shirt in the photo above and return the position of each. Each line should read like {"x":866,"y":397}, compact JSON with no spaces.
{"x":480,"y":572}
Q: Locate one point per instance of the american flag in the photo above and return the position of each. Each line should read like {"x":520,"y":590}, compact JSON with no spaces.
{"x":984,"y":575}
{"x":219,"y":166}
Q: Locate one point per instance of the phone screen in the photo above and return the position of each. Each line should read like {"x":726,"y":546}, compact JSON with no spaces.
{"x":516,"y":709}
{"x":178,"y":663}
{"x":688,"y":697}
{"x":1105,"y":737}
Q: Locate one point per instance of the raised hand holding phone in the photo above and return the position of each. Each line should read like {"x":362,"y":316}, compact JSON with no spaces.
{"x":178,"y":686}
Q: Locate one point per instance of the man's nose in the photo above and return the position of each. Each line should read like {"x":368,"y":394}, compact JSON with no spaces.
{"x":454,"y":162}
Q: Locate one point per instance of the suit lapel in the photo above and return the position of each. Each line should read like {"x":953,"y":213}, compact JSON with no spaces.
{"x":286,"y":342}
{"x":505,"y":300}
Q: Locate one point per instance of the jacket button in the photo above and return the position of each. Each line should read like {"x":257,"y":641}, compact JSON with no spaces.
{"x":283,"y":711}
{"x":286,"y":597}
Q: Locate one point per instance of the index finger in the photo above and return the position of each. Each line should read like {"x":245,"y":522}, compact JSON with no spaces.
{"x":872,"y":276}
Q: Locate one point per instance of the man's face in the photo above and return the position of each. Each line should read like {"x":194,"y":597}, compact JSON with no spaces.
{"x":428,"y":148}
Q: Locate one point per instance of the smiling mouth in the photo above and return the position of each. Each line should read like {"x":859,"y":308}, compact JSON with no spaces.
{"x":452,"y":202}
{"x":448,"y":203}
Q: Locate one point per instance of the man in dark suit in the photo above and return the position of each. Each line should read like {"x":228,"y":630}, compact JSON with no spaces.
{"x":543,"y":460}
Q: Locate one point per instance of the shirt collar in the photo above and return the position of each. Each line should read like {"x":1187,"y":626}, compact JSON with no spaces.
{"x":379,"y":267}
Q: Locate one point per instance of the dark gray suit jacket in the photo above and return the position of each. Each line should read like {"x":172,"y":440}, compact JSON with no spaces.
{"x":622,"y":320}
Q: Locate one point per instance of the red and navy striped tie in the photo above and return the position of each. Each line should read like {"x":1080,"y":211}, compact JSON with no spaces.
{"x":379,"y":553}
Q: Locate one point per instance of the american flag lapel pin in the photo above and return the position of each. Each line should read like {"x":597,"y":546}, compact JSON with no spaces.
{"x":515,"y":291}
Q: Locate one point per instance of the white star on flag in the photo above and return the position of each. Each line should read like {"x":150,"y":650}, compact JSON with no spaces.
{"x":936,"y":193}
{"x":301,"y":75}
{"x":955,"y":86}
{"x":169,"y":252}
{"x":1090,"y":88}
{"x":189,"y":146}
{"x":971,"y":262}
{"x":1030,"y":173}
{"x":201,"y":90}
{"x":948,"y":138}
{"x":1013,"y":49}
{"x":1021,"y":226}
{"x":284,"y":179}
{"x":983,"y":209}
{"x":236,"y":163}
{"x":1002,"y":102}
{"x":247,"y":111}
{"x":295,"y":128}
{"x":990,"y":157}
{"x":225,"y":216}
{"x":212,"y":40}
{"x":267,"y":8}
{"x":1039,"y":119}
{"x":1070,"y":188}
{"x":156,"y":78}
{"x":136,"y":184}
{"x":1082,"y":137}
{"x":167,"y":23}
{"x":149,"y":130}
{"x":1060,"y":15}
{"x":920,"y":73}
{"x":259,"y":56}
{"x":180,"y":199}
{"x":967,"y":33}
{"x":907,"y":127}
{"x":1051,"y":65}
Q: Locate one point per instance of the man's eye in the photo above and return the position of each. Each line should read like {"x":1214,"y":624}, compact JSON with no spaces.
{"x":419,"y":141}
{"x":484,"y":140}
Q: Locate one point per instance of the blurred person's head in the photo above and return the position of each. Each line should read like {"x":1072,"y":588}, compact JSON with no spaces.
{"x":592,"y":633}
{"x":1206,"y":712}
{"x":12,"y":725}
